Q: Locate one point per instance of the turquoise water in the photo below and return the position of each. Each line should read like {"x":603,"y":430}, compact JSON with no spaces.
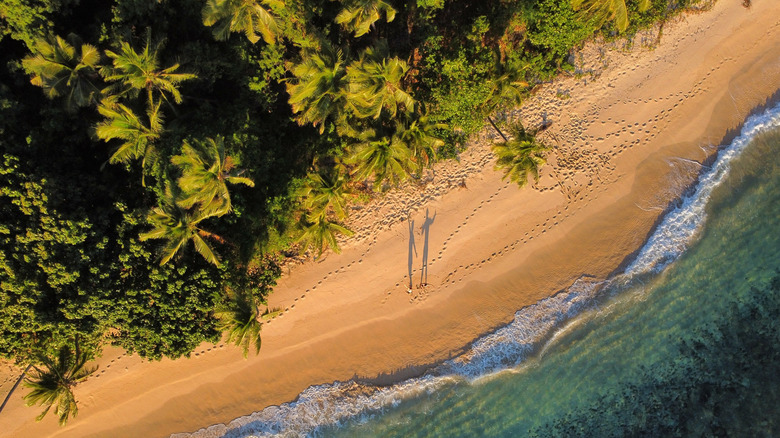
{"x":683,"y":343}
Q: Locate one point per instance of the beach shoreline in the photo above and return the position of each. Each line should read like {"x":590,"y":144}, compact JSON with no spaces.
{"x":628,"y":143}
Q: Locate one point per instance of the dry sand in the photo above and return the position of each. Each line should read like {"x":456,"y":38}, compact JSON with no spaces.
{"x":619,"y":129}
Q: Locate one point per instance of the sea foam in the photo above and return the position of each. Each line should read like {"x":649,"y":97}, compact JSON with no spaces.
{"x":334,"y":404}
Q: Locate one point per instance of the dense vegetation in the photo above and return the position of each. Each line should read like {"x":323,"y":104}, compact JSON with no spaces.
{"x":721,"y":382}
{"x":160,"y":158}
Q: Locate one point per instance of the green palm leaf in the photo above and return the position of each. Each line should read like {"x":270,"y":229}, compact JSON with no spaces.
{"x":609,"y":10}
{"x":177,"y":226}
{"x":244,"y":16}
{"x":239,"y":318}
{"x":320,"y":233}
{"x":359,"y":15}
{"x":317,"y":88}
{"x":375,"y":84}
{"x":51,"y":385}
{"x":133,"y":72}
{"x":206,"y":171}
{"x":521,"y":157}
{"x":63,"y":71}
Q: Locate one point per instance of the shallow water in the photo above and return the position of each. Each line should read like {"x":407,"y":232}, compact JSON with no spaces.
{"x":594,"y":359}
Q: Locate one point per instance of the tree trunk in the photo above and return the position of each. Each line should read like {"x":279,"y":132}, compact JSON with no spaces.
{"x":496,"y":128}
{"x":24,"y":373}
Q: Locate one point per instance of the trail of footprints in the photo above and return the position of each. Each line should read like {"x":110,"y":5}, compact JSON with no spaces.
{"x":575,"y":156}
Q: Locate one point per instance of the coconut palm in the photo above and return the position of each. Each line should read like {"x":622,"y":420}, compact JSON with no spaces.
{"x":419,"y":135}
{"x":506,"y":90}
{"x":609,"y":10}
{"x":319,"y":232}
{"x":375,"y":84}
{"x":317,"y":89}
{"x":178,"y":226}
{"x":133,"y":72}
{"x":65,"y":68}
{"x":138,"y":136}
{"x":520,"y":157}
{"x":359,"y":15}
{"x":239,"y":318}
{"x":326,"y":192}
{"x":246,"y":16}
{"x":206,"y":171}
{"x":385,"y":157}
{"x":52,"y":384}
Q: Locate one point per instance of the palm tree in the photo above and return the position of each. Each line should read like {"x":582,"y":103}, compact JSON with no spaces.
{"x":239,"y":318}
{"x":609,"y":10}
{"x":375,"y":84}
{"x":384,"y":157}
{"x":63,"y":70}
{"x":506,"y":89}
{"x":246,"y":16}
{"x":359,"y":15}
{"x":520,"y":157}
{"x":325,"y":192}
{"x":53,"y":383}
{"x":206,"y":171}
{"x":317,"y":90}
{"x":178,"y":226}
{"x":420,"y":137}
{"x":134,"y":72}
{"x":320,"y":233}
{"x":137,"y":135}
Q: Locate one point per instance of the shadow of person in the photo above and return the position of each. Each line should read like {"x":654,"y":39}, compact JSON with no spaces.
{"x":426,"y":230}
{"x":412,"y":249}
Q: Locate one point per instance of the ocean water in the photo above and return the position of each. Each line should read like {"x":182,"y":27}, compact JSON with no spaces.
{"x":685,"y":342}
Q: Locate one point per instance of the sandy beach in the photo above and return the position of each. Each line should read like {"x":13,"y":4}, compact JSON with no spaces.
{"x":630,"y":129}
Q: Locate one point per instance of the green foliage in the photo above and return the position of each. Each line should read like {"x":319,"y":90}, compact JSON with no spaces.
{"x":521,"y":157}
{"x":317,"y":89}
{"x":53,"y":383}
{"x":206,"y":172}
{"x":609,"y":10}
{"x":245,"y":16}
{"x":359,"y":16}
{"x":239,"y":318}
{"x":133,"y":72}
{"x":556,"y":30}
{"x":65,"y":68}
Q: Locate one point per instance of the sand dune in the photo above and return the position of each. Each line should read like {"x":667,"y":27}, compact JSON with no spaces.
{"x":629,"y":129}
